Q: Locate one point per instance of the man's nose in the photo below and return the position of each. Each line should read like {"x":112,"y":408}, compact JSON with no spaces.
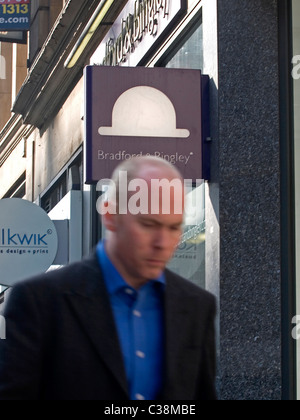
{"x":162,"y":239}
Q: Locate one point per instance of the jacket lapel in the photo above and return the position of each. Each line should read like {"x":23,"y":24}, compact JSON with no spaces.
{"x":90,"y":305}
{"x":178,"y":356}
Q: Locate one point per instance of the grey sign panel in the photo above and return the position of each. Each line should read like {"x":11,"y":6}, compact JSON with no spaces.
{"x":143,"y":111}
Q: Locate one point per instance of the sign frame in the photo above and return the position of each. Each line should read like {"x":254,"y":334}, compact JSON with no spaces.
{"x":187,"y":91}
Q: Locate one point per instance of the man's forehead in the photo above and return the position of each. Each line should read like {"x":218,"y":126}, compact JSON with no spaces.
{"x":161,"y":219}
{"x":149,"y":172}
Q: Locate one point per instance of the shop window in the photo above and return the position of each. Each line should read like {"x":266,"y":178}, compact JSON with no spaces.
{"x":187,"y":51}
{"x":70,"y":179}
{"x":189,"y":260}
{"x":55,"y":194}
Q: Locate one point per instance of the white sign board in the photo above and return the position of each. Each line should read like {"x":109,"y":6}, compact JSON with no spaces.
{"x":28,"y":241}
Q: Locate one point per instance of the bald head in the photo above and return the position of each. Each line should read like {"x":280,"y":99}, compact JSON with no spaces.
{"x":157,"y":184}
{"x":143,"y":216}
{"x":147,"y":185}
{"x":138,"y":167}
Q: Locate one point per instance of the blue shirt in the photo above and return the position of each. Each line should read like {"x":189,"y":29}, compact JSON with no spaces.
{"x":139,"y":318}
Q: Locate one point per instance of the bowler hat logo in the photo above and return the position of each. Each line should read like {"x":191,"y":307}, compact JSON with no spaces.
{"x":144,"y":111}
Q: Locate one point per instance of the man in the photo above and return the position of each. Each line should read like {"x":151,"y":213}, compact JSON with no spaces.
{"x":117,"y":326}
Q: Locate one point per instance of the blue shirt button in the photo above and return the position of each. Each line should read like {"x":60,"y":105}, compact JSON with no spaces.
{"x":140,"y":354}
{"x":129,"y":292}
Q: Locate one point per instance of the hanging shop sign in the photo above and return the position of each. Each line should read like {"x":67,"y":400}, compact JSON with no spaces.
{"x":14,"y":15}
{"x":145,"y":111}
{"x":137,"y":31}
{"x":28,"y":240}
{"x":15,"y":37}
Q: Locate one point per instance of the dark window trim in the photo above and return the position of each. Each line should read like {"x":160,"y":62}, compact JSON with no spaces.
{"x":18,"y":189}
{"x":62,"y":176}
{"x":63,"y":170}
{"x":289,"y":349}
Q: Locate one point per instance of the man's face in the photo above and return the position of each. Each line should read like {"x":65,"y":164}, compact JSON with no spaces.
{"x":146,"y":243}
{"x":143,"y":244}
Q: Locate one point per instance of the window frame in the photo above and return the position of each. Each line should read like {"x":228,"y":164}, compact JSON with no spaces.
{"x":288,"y":255}
{"x":179,"y":34}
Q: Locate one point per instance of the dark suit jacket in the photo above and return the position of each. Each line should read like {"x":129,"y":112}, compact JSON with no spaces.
{"x":62,"y":342}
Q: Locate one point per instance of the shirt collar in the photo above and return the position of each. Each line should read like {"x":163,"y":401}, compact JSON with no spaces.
{"x":113,"y":279}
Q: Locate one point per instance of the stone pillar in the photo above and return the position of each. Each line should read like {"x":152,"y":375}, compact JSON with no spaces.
{"x":249,"y":179}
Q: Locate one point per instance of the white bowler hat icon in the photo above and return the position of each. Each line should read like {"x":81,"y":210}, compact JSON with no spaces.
{"x":144,"y":111}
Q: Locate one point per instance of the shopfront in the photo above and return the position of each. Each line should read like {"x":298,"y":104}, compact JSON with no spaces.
{"x":240,"y":243}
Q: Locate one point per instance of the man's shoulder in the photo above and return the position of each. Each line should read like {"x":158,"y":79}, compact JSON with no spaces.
{"x":66,"y":278}
{"x":189,"y":290}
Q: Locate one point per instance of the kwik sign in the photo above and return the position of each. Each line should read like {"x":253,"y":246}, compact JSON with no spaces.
{"x":28,"y":241}
{"x":10,"y":238}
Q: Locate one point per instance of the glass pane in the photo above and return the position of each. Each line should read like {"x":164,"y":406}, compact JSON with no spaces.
{"x":190,"y":52}
{"x":189,"y":259}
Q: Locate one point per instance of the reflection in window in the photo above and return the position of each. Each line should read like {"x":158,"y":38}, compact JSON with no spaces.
{"x":189,"y":53}
{"x":189,"y":259}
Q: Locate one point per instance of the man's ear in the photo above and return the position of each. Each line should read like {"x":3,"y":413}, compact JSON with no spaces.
{"x":110,"y":221}
{"x":108,"y":211}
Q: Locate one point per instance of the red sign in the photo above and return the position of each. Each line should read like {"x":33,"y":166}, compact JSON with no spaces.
{"x":144,"y":111}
